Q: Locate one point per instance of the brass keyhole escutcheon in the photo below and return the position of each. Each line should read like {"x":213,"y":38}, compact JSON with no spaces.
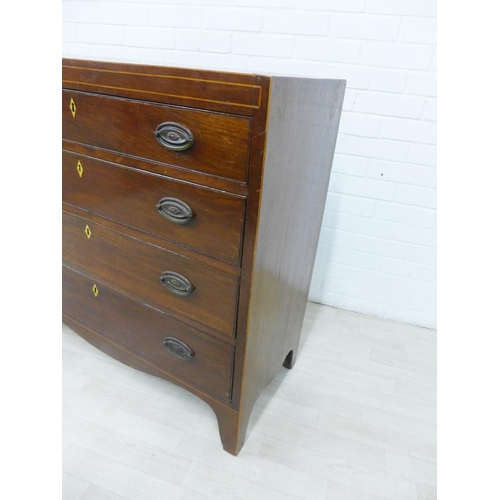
{"x":88,"y":232}
{"x":72,"y":107}
{"x":79,"y":168}
{"x":95,"y":290}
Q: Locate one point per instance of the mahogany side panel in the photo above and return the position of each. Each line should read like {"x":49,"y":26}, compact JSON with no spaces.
{"x":303,"y":122}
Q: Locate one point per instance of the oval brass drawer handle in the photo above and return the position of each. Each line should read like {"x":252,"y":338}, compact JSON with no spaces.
{"x":175,"y":210}
{"x":176,"y":283}
{"x":178,"y":348}
{"x":174,"y":136}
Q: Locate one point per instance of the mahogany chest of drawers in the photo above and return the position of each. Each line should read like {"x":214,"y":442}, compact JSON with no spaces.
{"x":192,"y":205}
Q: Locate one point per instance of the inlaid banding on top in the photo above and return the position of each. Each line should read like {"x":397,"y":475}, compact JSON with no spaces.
{"x":161,"y":85}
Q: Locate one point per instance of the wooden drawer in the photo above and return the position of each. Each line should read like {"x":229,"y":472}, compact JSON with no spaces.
{"x":135,"y":268}
{"x":127,"y":126}
{"x":131,"y":196}
{"x":208,"y":363}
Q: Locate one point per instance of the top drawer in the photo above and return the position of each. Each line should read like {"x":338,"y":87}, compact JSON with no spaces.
{"x":127,"y":126}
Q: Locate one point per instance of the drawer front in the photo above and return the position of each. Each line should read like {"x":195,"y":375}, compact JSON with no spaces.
{"x":165,"y":280}
{"x":204,"y":220}
{"x":220,"y":144}
{"x":169,"y":345}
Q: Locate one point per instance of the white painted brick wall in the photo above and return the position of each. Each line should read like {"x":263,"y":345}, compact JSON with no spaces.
{"x":297,"y":22}
{"x":377,"y":251}
{"x":202,"y":40}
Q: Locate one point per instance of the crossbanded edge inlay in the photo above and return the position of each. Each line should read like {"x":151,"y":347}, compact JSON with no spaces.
{"x":201,"y":80}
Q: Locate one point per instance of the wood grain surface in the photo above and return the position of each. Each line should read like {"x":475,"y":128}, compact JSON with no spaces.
{"x":191,"y":176}
{"x":302,"y":130}
{"x":228,"y":92}
{"x":142,"y":329}
{"x":134,"y":268}
{"x":130,"y":196}
{"x":127,"y":126}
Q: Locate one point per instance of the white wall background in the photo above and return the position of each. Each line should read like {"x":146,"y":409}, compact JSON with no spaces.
{"x":377,"y":251}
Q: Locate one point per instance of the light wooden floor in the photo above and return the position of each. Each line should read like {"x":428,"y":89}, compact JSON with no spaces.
{"x":354,"y":420}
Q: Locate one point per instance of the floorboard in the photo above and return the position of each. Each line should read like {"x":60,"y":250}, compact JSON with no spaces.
{"x":355,"y":419}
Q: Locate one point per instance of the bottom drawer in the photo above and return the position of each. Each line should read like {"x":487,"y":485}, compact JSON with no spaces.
{"x":164,"y":342}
